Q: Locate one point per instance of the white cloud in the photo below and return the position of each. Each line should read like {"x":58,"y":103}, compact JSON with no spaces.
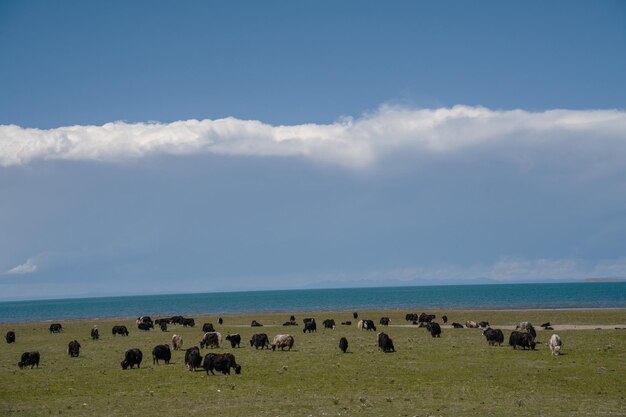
{"x":592,"y":139}
{"x":26,"y":268}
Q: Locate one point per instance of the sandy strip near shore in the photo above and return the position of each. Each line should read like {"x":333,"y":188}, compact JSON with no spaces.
{"x":579,"y":327}
{"x":555,"y":327}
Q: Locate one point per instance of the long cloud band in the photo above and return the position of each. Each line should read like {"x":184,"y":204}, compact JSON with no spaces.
{"x":585,"y":134}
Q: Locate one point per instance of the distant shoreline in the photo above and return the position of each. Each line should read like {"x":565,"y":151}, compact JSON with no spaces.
{"x":603,"y":280}
{"x":320,"y":312}
{"x":362,"y":313}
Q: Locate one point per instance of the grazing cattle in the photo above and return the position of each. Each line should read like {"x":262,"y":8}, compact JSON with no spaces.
{"x":292,"y":321}
{"x":307,"y":320}
{"x":471,"y":324}
{"x":385,"y":343}
{"x":162,"y":323}
{"x":329,"y":324}
{"x":310,"y":326}
{"x":493,"y":336}
{"x":145,"y":319}
{"x":522,"y":339}
{"x":121,"y":330}
{"x":355,"y":315}
{"x":95,"y":333}
{"x":145,"y":326}
{"x":73,"y":348}
{"x":444,"y":318}
{"x":189,"y":323}
{"x":555,"y":344}
{"x":161,"y":352}
{"x":346,"y":323}
{"x":483,"y":324}
{"x":366,"y":325}
{"x":177,"y":342}
{"x":193,"y":358}
{"x":526,"y":325}
{"x":211,"y":339}
{"x":255,"y":324}
{"x":221,"y":362}
{"x":208,"y":327}
{"x":55,"y":327}
{"x":260,"y":340}
{"x":176,"y":320}
{"x":132,"y":357}
{"x":220,"y":321}
{"x":343,"y":344}
{"x":457,"y":325}
{"x":10,"y":336}
{"x":384,"y":321}
{"x":29,"y":358}
{"x":546,"y":324}
{"x":282,"y":341}
{"x":234,"y":339}
{"x":411,"y":317}
{"x":426,"y":318}
{"x":434,"y":328}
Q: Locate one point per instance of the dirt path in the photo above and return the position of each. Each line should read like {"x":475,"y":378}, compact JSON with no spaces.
{"x":555,"y":327}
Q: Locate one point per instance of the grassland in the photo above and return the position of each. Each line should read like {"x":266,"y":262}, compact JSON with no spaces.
{"x":455,"y":375}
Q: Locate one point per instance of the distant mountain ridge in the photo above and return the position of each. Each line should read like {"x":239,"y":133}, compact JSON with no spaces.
{"x":607,"y":279}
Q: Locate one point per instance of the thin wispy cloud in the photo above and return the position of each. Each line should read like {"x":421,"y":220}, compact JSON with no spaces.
{"x":27,"y":267}
{"x":584,"y":138}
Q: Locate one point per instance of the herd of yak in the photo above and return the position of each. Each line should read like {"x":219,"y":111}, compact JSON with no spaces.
{"x":523,"y":336}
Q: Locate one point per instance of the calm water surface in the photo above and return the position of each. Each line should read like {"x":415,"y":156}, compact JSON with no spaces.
{"x":499,"y":296}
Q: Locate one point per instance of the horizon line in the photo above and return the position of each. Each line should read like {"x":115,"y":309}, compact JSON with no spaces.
{"x":117,"y":295}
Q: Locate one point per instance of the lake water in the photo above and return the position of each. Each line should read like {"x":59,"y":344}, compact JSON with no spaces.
{"x":412,"y":299}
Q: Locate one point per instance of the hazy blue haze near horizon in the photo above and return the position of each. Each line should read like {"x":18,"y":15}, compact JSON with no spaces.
{"x":412,"y":299}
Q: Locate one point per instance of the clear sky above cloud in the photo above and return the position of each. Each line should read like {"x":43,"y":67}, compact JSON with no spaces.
{"x":182,"y":147}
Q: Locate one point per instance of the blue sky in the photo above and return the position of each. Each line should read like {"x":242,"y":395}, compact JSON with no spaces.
{"x":165,"y":147}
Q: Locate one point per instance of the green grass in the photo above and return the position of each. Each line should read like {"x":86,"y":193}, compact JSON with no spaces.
{"x":455,"y":375}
